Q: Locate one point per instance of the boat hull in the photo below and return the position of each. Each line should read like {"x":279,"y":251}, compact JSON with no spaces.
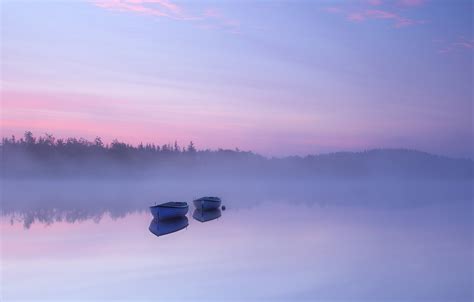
{"x":163,"y":213}
{"x":207,"y":204}
{"x":203,"y":216}
{"x":164,"y":227}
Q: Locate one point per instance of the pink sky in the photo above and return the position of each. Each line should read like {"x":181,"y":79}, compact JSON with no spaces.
{"x":275,"y":79}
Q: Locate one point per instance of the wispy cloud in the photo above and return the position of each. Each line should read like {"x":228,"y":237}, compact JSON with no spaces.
{"x":461,"y":44}
{"x":375,"y":2}
{"x":210,"y":18}
{"x":159,"y":8}
{"x":362,"y":11}
{"x":411,"y":2}
{"x":398,"y":20}
{"x":217,"y":16}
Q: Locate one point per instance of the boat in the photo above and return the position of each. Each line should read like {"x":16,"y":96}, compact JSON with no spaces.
{"x":168,"y":226}
{"x":207,"y":203}
{"x":169,"y":210}
{"x":208,"y":215}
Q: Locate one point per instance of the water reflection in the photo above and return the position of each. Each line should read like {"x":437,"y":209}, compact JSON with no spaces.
{"x":164,"y":227}
{"x":289,"y":247}
{"x":208,"y":215}
{"x":72,"y":201}
{"x":48,"y":216}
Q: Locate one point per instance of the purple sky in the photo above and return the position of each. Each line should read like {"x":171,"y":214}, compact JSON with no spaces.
{"x":275,"y":77}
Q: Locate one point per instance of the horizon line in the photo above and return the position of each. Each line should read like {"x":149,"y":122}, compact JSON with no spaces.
{"x":236,"y":149}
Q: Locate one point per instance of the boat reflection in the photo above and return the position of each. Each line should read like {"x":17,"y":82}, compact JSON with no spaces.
{"x":204,"y":216}
{"x":164,"y":227}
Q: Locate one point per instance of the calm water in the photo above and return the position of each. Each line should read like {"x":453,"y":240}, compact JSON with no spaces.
{"x":282,"y":248}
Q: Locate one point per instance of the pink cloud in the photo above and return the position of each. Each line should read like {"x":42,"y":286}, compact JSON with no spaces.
{"x":160,"y":8}
{"x":462,"y":44}
{"x":468,"y":45}
{"x":334,"y":9}
{"x":398,"y":20}
{"x":164,"y":3}
{"x":365,"y":11}
{"x":380,"y":14}
{"x":375,"y":2}
{"x":212,"y":13}
{"x":356,"y":17}
{"x":216,"y":16}
{"x":211,"y":18}
{"x":411,"y":2}
{"x":83,"y":115}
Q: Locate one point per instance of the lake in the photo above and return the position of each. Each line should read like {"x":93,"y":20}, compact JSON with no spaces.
{"x":340,"y":242}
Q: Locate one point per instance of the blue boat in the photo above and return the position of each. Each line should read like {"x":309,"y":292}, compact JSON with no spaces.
{"x":203,"y":216}
{"x":164,"y":227}
{"x":207,"y":203}
{"x":169,"y":210}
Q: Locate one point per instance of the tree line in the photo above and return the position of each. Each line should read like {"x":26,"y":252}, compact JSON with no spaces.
{"x":47,"y":155}
{"x":48,"y":146}
{"x":50,"y":156}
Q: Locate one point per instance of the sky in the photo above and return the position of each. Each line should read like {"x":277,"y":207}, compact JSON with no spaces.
{"x":275,"y":77}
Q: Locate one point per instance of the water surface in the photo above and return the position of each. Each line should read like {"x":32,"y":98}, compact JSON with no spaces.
{"x":274,"y":248}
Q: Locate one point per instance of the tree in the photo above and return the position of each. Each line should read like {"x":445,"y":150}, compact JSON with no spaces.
{"x":176,"y":146}
{"x":98,"y":142}
{"x":49,"y":139}
{"x":29,"y":138}
{"x":191,"y":148}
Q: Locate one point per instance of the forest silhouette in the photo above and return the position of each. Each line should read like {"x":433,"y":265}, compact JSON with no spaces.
{"x":47,"y":156}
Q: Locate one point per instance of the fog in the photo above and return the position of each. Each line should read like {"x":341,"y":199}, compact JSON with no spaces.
{"x":46,"y":201}
{"x":372,"y":225}
{"x":46,"y":179}
{"x":50,"y":158}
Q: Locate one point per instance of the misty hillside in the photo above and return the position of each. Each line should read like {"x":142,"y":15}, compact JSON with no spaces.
{"x":47,"y":156}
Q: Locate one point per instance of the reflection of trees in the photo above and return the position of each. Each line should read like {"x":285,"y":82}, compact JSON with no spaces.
{"x":49,"y":202}
{"x":50,"y":216}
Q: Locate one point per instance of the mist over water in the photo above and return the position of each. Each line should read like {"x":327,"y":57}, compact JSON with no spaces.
{"x":376,"y":225}
{"x":345,"y":239}
{"x":47,"y":201}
